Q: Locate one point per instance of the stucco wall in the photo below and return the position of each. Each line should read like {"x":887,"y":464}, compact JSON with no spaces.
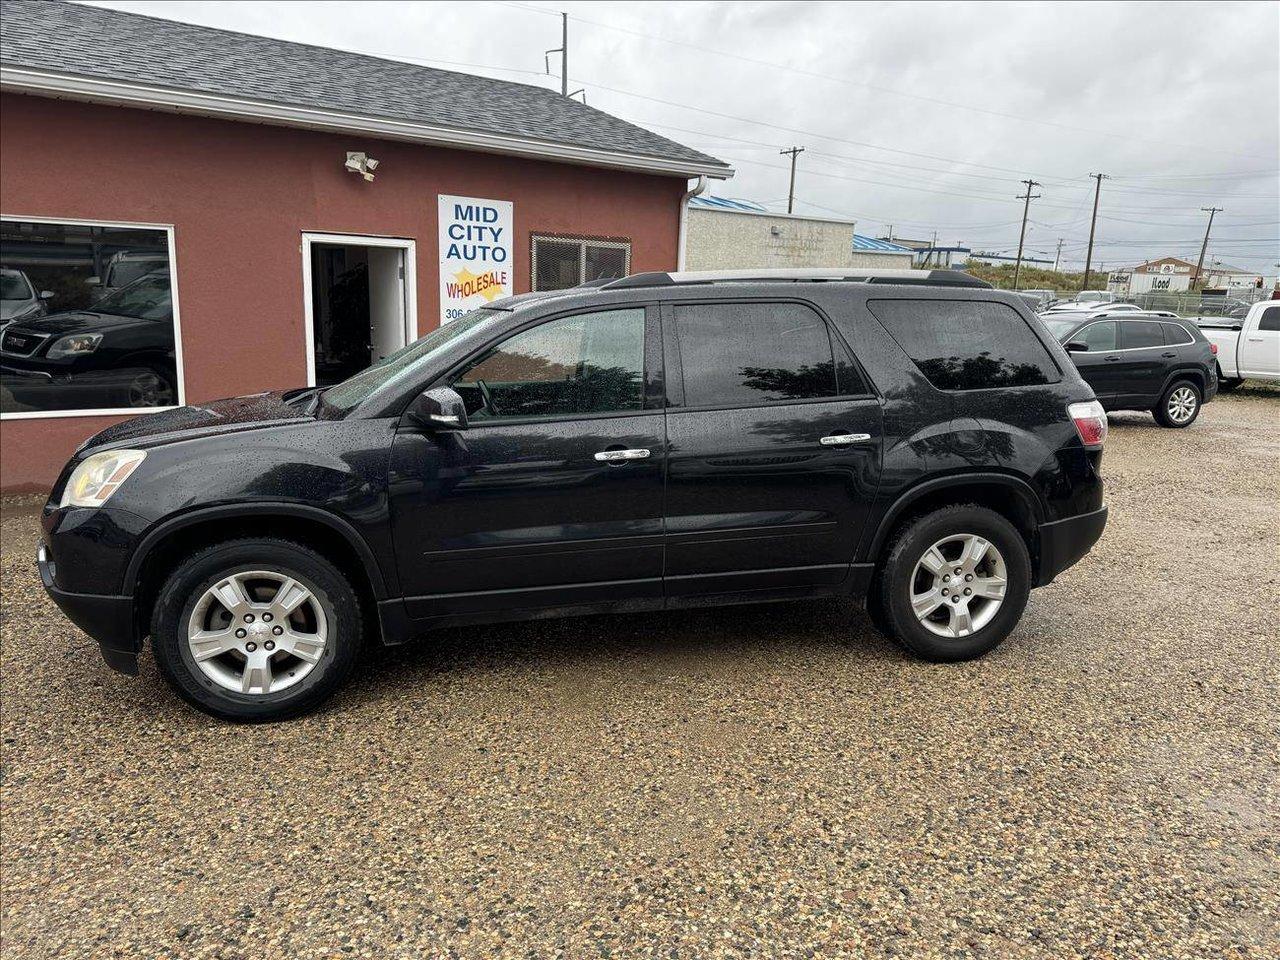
{"x":727,"y":240}
{"x":240,"y":196}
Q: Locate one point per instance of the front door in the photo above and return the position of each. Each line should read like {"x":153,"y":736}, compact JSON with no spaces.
{"x":552,"y":496}
{"x":1259,"y":350}
{"x":774,"y":450}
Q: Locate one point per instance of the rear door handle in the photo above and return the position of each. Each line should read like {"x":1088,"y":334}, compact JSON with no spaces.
{"x":844,"y":439}
{"x":1168,"y":356}
{"x":615,"y":456}
{"x":1113,"y":359}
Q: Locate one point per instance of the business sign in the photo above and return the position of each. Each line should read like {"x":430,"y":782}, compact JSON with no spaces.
{"x":476,"y":265}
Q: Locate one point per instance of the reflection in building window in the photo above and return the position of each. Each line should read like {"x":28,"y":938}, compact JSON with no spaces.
{"x":86,"y":318}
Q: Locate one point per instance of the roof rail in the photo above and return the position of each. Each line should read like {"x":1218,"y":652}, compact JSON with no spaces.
{"x":926,"y":278}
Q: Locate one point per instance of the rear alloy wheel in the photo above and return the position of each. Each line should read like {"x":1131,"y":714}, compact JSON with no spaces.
{"x":256,"y":630}
{"x":150,"y":388}
{"x":1179,"y":406}
{"x":955,"y":582}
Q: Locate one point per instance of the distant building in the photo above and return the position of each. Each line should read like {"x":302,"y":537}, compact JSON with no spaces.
{"x":1167,"y":274}
{"x":999,"y":258}
{"x":931,"y":256}
{"x":729,"y":234}
{"x":1222,"y":276}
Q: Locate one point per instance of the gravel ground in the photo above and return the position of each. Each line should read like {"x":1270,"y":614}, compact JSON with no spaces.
{"x":769,"y":782}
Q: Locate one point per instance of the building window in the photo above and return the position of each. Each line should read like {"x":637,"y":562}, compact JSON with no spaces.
{"x":90,"y":320}
{"x":563,"y":262}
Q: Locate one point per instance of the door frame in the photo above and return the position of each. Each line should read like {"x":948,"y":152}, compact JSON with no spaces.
{"x":408,"y":245}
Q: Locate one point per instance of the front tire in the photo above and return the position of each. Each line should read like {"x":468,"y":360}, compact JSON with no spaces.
{"x":1179,"y":406}
{"x":256,"y":630}
{"x":955,"y":583}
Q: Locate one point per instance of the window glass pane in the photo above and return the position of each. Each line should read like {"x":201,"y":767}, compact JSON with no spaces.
{"x":967,"y":344}
{"x":603,"y":262}
{"x":1270,"y":319}
{"x":1099,"y":336}
{"x":749,"y":354}
{"x":589,"y":363}
{"x":87,"y":318}
{"x":1140,"y":333}
{"x":559,"y":264}
{"x":1176,"y":335}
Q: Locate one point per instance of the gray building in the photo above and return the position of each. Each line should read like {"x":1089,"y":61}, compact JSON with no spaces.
{"x":738,"y":234}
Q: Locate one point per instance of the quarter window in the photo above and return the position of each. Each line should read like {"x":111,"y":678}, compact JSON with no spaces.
{"x":967,"y":344}
{"x":563,"y":262}
{"x":587,"y":363}
{"x":750,"y":354}
{"x":1176,"y":335}
{"x":1140,"y":333}
{"x":1270,"y":319}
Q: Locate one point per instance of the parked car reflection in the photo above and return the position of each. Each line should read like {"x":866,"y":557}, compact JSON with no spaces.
{"x":18,"y":298}
{"x":117,"y":353}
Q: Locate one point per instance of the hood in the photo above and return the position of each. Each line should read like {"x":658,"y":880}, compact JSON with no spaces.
{"x":80,"y":321}
{"x":253,"y":412}
{"x":11,"y":308}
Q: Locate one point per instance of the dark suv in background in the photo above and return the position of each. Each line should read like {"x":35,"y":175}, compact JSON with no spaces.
{"x":1142,"y":361}
{"x":914,"y":440}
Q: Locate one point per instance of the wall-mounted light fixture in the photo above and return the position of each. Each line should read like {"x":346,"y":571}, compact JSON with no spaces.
{"x":361,"y":163}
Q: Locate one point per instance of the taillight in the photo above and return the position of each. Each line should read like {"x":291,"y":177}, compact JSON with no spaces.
{"x":1213,"y":348}
{"x":1091,"y":422}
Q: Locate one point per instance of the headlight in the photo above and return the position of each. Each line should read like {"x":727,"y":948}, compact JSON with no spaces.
{"x":75,"y":345}
{"x":99,"y":476}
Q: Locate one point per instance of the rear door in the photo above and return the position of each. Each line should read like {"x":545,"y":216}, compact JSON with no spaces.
{"x":1259,"y":351}
{"x":552,"y":496}
{"x":1140,"y":371}
{"x":774,"y":449}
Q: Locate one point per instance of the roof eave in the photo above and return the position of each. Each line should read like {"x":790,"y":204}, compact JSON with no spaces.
{"x":119,"y":93}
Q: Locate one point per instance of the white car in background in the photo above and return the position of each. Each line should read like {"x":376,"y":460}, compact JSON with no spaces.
{"x":18,"y":298}
{"x":1248,"y":349}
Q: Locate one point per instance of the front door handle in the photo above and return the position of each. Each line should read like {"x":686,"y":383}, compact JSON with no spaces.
{"x":844,"y":439}
{"x":1113,"y":359}
{"x":1168,"y":356}
{"x":614,"y":456}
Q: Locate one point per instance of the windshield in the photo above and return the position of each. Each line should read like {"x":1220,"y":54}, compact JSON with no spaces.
{"x":1092,"y":296}
{"x":341,"y":397}
{"x":145,"y":299}
{"x":14,"y":286}
{"x":1060,"y":328}
{"x":124,"y":272}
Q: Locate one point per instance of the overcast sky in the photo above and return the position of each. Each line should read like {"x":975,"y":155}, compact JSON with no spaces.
{"x":923,"y":116}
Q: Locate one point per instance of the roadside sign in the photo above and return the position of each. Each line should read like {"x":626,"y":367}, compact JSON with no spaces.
{"x":476,"y":264}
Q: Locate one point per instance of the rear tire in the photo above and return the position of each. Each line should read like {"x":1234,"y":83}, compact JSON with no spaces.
{"x":908,"y":586}
{"x":256,"y":630}
{"x":1179,"y":406}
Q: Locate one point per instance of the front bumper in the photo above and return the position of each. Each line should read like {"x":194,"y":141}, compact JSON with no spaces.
{"x":108,"y":619}
{"x":1064,"y":542}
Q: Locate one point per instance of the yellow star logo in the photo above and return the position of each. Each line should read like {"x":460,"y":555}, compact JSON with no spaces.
{"x":490,"y":292}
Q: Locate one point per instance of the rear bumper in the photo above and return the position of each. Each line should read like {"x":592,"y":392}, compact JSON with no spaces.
{"x":108,"y":619}
{"x":1064,"y":542}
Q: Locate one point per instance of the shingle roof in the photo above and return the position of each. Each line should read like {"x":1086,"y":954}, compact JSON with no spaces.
{"x":68,"y":39}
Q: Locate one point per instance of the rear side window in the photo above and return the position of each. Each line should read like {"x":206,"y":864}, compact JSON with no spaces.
{"x":1176,"y":335}
{"x":1140,"y":333}
{"x":1270,"y":319}
{"x":967,"y":344}
{"x":749,"y":354}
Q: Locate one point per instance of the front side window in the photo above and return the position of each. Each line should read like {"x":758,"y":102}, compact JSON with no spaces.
{"x":584,"y":364}
{"x":563,"y":262}
{"x":100,"y":334}
{"x":1099,"y":336}
{"x":967,"y":344}
{"x":1140,"y":333}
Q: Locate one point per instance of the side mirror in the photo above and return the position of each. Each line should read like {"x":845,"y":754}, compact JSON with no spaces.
{"x":47,"y":294}
{"x":439,"y":409}
{"x":1077,"y":346}
{"x":93,"y":282}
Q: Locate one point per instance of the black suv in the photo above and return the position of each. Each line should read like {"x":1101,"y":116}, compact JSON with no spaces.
{"x":914,"y":440}
{"x":1142,"y":361}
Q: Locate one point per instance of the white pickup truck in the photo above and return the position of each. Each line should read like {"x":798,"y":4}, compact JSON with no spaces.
{"x":1248,"y":348}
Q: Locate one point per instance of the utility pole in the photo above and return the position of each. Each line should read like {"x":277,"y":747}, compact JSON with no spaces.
{"x":1088,"y":260}
{"x":1026,"y":208}
{"x":563,"y":50}
{"x":1204,"y":246}
{"x":791,"y":194}
{"x":1058,"y":256}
